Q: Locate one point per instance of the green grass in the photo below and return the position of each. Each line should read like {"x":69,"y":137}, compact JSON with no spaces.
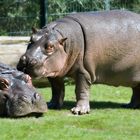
{"x":106,"y":121}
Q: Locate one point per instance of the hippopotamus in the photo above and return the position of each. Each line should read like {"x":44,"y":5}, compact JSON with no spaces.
{"x":91,"y":47}
{"x":18,"y":97}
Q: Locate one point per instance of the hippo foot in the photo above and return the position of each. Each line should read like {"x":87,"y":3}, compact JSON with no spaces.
{"x":53,"y":105}
{"x":80,"y":109}
{"x":131,"y":106}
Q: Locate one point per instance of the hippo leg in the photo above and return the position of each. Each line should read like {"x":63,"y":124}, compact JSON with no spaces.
{"x":135,"y":99}
{"x":58,"y":91}
{"x":82,"y":96}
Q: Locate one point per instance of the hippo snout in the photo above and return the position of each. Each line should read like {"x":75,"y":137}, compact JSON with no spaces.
{"x":24,"y":105}
{"x":33,"y":62}
{"x":26,"y":62}
{"x":22,"y":63}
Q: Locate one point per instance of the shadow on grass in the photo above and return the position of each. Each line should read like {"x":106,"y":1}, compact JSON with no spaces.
{"x":95,"y":105}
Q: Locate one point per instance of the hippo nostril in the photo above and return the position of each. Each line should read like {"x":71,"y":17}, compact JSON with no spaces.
{"x":33,"y":62}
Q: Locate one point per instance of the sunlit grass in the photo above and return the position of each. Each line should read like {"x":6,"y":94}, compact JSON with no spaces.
{"x":106,"y":121}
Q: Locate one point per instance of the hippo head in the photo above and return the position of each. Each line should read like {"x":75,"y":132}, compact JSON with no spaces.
{"x":45,"y":57}
{"x":19,"y":98}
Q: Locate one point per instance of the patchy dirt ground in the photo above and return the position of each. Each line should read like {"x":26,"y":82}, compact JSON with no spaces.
{"x":11,"y":48}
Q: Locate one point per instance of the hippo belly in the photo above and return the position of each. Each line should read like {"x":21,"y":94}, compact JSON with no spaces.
{"x":128,"y":77}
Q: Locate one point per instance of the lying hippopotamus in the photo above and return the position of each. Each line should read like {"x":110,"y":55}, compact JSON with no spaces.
{"x":93,"y":48}
{"x":18,"y":97}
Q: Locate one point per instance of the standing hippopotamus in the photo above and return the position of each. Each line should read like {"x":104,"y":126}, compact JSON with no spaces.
{"x":91,"y":47}
{"x":18,"y":97}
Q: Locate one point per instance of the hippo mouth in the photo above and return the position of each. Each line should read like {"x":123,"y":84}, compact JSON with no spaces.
{"x":32,"y":114}
{"x":27,"y":114}
{"x":34,"y":72}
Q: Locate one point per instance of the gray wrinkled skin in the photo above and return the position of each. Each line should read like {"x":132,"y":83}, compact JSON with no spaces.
{"x":93,"y":48}
{"x":18,"y":97}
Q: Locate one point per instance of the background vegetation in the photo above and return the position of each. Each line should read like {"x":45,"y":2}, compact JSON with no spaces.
{"x":18,"y":16}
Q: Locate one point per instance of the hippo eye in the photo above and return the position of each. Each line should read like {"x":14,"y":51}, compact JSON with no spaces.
{"x":36,"y":96}
{"x":49,"y":49}
{"x":50,"y":46}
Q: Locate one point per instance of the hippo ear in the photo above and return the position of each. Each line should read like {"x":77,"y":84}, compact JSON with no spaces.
{"x":4,"y":83}
{"x":61,"y":41}
{"x":34,"y":30}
